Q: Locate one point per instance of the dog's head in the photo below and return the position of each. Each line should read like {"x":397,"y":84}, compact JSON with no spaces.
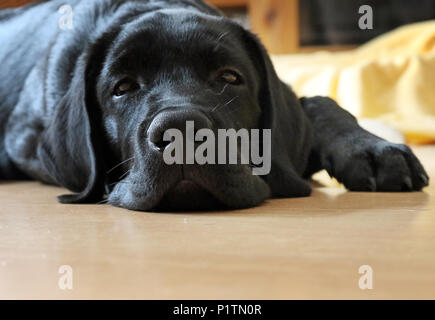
{"x":160,"y":72}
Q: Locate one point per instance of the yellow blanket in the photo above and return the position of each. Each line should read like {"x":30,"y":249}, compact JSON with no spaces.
{"x":392,"y":78}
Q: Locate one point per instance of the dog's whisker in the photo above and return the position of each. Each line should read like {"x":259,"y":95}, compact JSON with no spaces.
{"x":104,"y":201}
{"x":217,"y":107}
{"x":120,"y":178}
{"x":221,"y":92}
{"x":124,"y":175}
{"x":231,"y":101}
{"x":219,"y":40}
{"x":225,"y":104}
{"x":117,"y":182}
{"x":120,"y":164}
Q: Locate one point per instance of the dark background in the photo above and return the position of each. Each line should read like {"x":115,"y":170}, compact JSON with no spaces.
{"x":335,"y":22}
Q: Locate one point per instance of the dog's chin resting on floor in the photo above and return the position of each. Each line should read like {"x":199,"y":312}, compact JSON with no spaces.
{"x":87,"y":108}
{"x":189,"y":196}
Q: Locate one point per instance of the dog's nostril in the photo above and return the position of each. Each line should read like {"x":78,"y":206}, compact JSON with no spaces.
{"x":159,"y":143}
{"x":156,"y":135}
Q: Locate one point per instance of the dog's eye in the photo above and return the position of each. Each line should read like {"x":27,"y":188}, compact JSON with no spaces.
{"x":231,"y":77}
{"x":124,"y":87}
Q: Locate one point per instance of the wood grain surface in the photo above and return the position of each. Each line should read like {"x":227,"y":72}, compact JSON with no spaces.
{"x":289,"y":248}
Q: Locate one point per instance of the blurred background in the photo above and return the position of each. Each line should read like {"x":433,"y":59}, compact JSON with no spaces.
{"x":288,"y":26}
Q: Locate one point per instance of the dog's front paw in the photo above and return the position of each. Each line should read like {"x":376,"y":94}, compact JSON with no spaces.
{"x":377,"y":165}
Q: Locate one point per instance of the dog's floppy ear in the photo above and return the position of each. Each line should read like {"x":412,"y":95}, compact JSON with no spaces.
{"x":68,"y":148}
{"x":291,"y":130}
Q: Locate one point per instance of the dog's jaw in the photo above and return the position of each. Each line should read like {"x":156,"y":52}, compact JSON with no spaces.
{"x":199,"y":188}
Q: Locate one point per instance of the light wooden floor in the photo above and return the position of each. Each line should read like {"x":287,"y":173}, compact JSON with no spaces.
{"x":295,"y":248}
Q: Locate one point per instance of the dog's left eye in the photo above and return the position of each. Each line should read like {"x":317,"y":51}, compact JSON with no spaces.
{"x":125,"y":86}
{"x":231,"y":77}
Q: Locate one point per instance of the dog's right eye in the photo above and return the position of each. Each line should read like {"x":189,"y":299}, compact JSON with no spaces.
{"x":231,"y":77}
{"x":125,"y":86}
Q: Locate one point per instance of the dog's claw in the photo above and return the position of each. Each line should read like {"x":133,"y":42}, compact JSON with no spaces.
{"x":408,"y":183}
{"x":425,"y":179}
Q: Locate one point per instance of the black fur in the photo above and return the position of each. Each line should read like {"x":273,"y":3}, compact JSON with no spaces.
{"x":60,"y":122}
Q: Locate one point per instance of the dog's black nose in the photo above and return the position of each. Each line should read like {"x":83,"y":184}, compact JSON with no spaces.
{"x":177,"y":119}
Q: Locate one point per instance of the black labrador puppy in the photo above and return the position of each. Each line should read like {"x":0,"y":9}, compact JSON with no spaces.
{"x":86,"y":107}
